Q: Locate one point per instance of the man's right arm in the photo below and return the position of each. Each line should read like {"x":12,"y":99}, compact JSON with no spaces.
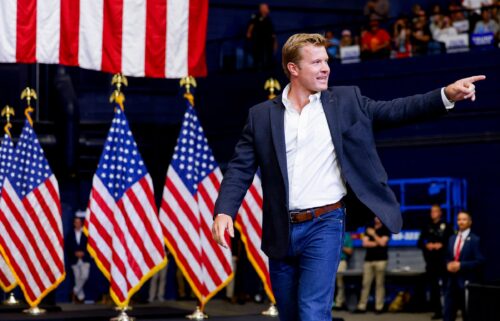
{"x":237,"y":179}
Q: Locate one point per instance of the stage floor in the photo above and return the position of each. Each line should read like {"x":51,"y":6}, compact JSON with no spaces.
{"x":176,"y":311}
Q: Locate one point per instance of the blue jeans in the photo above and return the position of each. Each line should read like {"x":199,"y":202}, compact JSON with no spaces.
{"x":303,"y":282}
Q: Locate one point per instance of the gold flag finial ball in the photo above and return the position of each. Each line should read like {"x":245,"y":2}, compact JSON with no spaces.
{"x":28,"y":94}
{"x":272,"y":84}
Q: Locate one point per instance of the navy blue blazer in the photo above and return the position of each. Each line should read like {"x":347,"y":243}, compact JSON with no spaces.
{"x":470,"y":259}
{"x":351,"y":118}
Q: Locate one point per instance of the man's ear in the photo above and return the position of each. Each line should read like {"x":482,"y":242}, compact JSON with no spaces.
{"x":293,"y":69}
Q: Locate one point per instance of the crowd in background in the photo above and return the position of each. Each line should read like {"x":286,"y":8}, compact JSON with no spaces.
{"x":423,"y":31}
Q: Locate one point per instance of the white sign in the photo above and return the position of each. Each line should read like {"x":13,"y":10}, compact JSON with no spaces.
{"x":459,"y":43}
{"x":349,"y":54}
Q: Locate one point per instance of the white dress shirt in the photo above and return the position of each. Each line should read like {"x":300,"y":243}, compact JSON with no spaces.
{"x":313,"y":171}
{"x":78,"y":236}
{"x":465,"y":235}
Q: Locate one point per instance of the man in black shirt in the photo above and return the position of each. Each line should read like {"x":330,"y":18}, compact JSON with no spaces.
{"x":260,"y":32}
{"x":375,"y":241}
{"x":433,"y":241}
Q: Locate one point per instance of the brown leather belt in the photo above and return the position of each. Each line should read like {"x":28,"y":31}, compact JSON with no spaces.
{"x":309,"y":214}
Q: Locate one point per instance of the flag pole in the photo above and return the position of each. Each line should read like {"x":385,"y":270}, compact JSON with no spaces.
{"x":29,"y":94}
{"x":8,"y":111}
{"x":118,"y":97}
{"x":187,"y":83}
{"x":271,"y":85}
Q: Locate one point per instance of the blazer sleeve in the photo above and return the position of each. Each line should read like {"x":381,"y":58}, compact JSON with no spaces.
{"x":239,"y":174}
{"x":402,"y":110}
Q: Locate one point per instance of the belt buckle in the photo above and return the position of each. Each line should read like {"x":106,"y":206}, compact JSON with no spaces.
{"x":292,"y":216}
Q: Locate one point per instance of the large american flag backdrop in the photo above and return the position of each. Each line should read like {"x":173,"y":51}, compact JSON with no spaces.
{"x":30,"y":220}
{"x":152,"y":38}
{"x":124,"y":235}
{"x":186,"y":214}
{"x":7,"y":279}
{"x":249,"y":223}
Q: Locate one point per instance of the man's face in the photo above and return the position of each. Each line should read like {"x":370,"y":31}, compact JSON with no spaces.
{"x":264,"y":9}
{"x":312,"y":70}
{"x":486,"y":14}
{"x":436,"y":213}
{"x":77,"y":223}
{"x":463,"y":221}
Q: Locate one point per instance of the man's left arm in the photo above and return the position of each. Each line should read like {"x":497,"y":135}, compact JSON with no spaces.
{"x":422,"y":106}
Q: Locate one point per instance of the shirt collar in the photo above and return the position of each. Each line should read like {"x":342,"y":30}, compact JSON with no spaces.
{"x":288,"y":103}
{"x":465,"y":233}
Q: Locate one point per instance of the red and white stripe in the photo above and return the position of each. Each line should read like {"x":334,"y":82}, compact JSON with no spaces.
{"x":31,"y":237}
{"x":249,"y":223}
{"x":125,"y":237}
{"x":152,"y":38}
{"x":187,"y":222}
{"x":7,"y":279}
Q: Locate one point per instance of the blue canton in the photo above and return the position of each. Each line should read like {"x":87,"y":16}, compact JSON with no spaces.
{"x":121,"y":165}
{"x":30,"y":167}
{"x":192,"y":159}
{"x":6,"y":157}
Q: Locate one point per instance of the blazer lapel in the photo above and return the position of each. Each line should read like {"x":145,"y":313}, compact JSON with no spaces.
{"x":277,"y":117}
{"x":332,"y":114}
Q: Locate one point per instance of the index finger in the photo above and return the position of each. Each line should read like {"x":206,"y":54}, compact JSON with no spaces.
{"x":475,"y":78}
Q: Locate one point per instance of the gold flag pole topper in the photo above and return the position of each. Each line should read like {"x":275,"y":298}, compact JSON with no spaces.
{"x":8,"y":111}
{"x":272,"y":84}
{"x":28,"y":94}
{"x":188,"y":82}
{"x":117,"y":96}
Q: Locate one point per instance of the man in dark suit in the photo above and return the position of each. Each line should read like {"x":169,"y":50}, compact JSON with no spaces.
{"x":77,"y":257}
{"x":464,"y":262}
{"x":314,"y":146}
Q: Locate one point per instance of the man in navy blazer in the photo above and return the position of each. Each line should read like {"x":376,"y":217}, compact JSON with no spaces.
{"x":314,"y":146}
{"x":464,"y":260}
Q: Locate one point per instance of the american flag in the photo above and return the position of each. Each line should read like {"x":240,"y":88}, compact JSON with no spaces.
{"x":191,"y":188}
{"x":249,"y":223}
{"x":124,"y":234}
{"x":7,"y":279}
{"x":152,"y":38}
{"x":30,"y":220}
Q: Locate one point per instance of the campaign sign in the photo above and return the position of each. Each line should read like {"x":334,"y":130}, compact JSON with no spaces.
{"x":349,"y":54}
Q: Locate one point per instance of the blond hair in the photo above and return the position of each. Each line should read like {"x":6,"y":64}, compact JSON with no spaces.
{"x":291,"y":48}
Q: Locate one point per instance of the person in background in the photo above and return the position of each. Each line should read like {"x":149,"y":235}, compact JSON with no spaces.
{"x":486,"y":24}
{"x":346,"y":254}
{"x":261,"y":35}
{"x":444,"y":31}
{"x":458,"y":19}
{"x":401,"y":38}
{"x":420,"y":35}
{"x":346,"y":40}
{"x":464,"y":264}
{"x":332,"y":45}
{"x":157,"y":284}
{"x":375,"y":42}
{"x":375,"y":242}
{"x":433,"y":242}
{"x":78,"y":258}
{"x":377,"y":9}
